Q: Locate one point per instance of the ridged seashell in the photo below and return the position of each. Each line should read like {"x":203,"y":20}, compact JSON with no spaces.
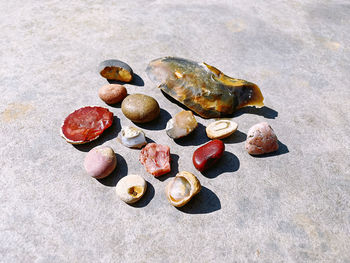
{"x":133,"y":137}
{"x":182,"y":124}
{"x":203,"y":88}
{"x":182,"y":188}
{"x":131,"y":188}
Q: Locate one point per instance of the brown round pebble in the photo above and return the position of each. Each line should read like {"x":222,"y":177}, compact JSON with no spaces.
{"x":140,"y":108}
{"x":112,"y":93}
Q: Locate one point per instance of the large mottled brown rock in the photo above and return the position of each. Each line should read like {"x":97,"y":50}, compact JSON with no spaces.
{"x":261,"y":139}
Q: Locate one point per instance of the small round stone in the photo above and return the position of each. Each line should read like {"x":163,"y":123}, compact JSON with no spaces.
{"x":261,"y":139}
{"x":100,"y":162}
{"x":131,"y":188}
{"x":140,"y":108}
{"x":112,"y":93}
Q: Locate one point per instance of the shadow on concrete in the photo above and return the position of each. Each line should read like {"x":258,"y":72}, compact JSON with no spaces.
{"x":206,"y":201}
{"x":282,"y":149}
{"x":117,"y":174}
{"x":227,"y":164}
{"x":158,"y":123}
{"x":174,"y":164}
{"x":237,"y":137}
{"x":137,"y":81}
{"x":266,"y":112}
{"x":148,"y":196}
{"x":197,"y":137}
{"x":107,"y":135}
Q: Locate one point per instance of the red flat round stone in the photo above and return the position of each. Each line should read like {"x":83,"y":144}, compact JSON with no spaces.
{"x":86,"y":124}
{"x":207,"y":155}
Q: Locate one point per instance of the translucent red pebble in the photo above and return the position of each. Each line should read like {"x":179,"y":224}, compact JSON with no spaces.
{"x":156,"y":159}
{"x":86,"y":124}
{"x":207,"y":155}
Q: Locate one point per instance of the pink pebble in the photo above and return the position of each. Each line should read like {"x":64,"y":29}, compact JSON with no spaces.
{"x":100,"y":162}
{"x":261,"y":139}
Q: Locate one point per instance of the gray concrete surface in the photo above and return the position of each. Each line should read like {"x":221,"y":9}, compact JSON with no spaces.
{"x":292,"y":206}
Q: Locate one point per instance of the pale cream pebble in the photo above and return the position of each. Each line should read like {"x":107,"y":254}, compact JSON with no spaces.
{"x":100,"y":162}
{"x":221,"y":129}
{"x":112,"y":93}
{"x":182,"y":188}
{"x":131,"y":188}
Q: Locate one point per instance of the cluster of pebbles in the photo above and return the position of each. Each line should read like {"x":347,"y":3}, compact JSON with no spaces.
{"x":86,"y":124}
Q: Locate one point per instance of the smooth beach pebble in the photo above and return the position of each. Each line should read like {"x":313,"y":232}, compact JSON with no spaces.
{"x":182,"y":124}
{"x":116,"y":70}
{"x":207,"y":155}
{"x":221,"y":129}
{"x":131,"y":188}
{"x":100,"y":162}
{"x":140,"y":108}
{"x":112,"y":93}
{"x":261,"y":139}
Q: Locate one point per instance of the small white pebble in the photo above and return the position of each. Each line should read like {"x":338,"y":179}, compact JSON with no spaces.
{"x":131,"y":188}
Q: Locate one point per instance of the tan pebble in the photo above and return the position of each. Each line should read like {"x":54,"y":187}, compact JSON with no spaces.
{"x":140,"y":108}
{"x":112,"y":93}
{"x":131,"y":188}
{"x":221,"y":129}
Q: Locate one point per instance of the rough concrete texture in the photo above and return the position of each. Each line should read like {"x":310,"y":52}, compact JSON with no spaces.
{"x":292,"y":206}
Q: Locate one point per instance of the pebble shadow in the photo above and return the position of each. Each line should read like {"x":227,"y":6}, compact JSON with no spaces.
{"x":237,"y":137}
{"x":206,"y":201}
{"x":227,"y":164}
{"x":107,"y":135}
{"x":266,"y":112}
{"x":174,"y":168}
{"x":117,"y":174}
{"x":148,"y":196}
{"x":282,"y":149}
{"x":137,"y":81}
{"x":157,"y":124}
{"x":197,"y":137}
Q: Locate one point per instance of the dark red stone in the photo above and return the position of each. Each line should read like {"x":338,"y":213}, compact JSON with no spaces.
{"x":207,"y":155}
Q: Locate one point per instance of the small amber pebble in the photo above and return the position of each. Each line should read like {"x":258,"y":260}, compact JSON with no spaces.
{"x":182,"y":124}
{"x":207,"y":155}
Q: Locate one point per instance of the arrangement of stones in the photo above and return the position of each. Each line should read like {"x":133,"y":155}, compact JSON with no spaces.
{"x":199,"y":86}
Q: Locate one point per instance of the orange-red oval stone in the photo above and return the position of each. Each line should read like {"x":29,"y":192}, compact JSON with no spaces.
{"x":207,"y":155}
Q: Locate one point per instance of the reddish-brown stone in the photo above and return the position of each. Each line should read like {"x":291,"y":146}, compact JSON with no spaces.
{"x":261,"y":139}
{"x":207,"y":155}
